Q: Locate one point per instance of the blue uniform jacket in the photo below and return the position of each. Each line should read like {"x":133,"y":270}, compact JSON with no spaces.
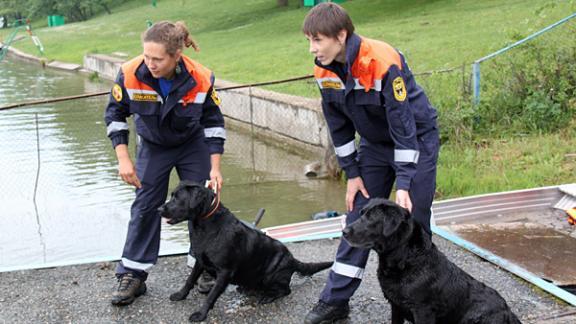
{"x":190,"y":110}
{"x":374,"y":94}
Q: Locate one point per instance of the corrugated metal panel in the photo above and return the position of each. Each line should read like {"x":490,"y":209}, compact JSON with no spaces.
{"x":569,"y":189}
{"x":566,"y":202}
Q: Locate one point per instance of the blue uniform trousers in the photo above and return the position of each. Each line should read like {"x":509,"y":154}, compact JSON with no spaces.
{"x":153,"y":166}
{"x":376,"y":162}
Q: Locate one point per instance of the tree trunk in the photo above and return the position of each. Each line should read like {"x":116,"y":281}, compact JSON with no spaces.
{"x":282,"y":3}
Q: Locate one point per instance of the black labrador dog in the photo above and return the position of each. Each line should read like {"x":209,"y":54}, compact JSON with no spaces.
{"x":420,"y":283}
{"x":230,"y":250}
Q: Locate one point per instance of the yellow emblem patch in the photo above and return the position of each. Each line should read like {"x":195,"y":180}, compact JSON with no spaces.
{"x":331,"y":85}
{"x":399,"y":89}
{"x":215,"y":97}
{"x":144,"y":97}
{"x":117,"y":92}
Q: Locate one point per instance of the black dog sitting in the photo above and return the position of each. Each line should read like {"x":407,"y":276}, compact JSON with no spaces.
{"x":231,"y":251}
{"x":420,"y":283}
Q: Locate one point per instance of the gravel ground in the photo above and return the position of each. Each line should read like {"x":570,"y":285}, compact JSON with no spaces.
{"x":80,"y":294}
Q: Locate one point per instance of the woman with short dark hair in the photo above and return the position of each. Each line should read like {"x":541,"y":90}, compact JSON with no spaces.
{"x":367,"y":88}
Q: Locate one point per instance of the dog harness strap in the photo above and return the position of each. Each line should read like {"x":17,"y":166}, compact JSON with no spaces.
{"x":216,"y":201}
{"x":136,"y":265}
{"x":347,"y":270}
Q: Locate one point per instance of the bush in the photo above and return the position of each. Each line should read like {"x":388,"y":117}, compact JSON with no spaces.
{"x":531,"y":89}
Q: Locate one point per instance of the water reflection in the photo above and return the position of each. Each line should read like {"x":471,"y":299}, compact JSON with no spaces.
{"x":82,"y":206}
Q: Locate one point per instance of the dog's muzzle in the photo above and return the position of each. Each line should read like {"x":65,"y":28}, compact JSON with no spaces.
{"x":164,"y":214}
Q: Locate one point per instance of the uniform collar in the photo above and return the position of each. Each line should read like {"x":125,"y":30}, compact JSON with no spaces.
{"x":144,"y":75}
{"x":352,"y":48}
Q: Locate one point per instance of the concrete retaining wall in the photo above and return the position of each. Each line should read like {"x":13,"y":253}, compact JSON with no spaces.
{"x":106,"y":66}
{"x":293,"y":119}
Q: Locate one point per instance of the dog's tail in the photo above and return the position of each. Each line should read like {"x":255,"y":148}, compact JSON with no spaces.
{"x":308,"y":269}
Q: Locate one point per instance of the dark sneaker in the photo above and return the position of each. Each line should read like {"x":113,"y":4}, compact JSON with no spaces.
{"x":129,"y":288}
{"x":325,"y":313}
{"x":205,"y":283}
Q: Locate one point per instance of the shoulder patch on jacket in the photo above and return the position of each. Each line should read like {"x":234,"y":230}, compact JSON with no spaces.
{"x":399,"y":88}
{"x":215,"y":98}
{"x":117,"y":92}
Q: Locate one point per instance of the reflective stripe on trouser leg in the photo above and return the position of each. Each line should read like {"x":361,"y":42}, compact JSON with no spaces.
{"x":153,"y":167}
{"x":191,"y":261}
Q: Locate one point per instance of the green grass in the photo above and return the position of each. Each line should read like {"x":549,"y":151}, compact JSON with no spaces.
{"x":253,"y":40}
{"x":494,"y":165}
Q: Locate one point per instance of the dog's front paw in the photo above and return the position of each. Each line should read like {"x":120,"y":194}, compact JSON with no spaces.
{"x":197,"y":317}
{"x":180,"y":295}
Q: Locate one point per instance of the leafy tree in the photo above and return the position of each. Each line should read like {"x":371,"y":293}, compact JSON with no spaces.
{"x":73,"y":10}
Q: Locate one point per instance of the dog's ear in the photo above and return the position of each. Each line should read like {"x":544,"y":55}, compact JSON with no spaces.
{"x":391,"y":222}
{"x":200,"y":198}
{"x":393,"y":216}
{"x":387,"y":212}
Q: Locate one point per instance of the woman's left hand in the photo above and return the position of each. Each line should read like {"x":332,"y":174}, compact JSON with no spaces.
{"x":215,"y":174}
{"x":403,"y":199}
{"x":216,"y":177}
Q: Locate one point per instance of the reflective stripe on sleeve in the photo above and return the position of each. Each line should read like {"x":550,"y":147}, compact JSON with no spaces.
{"x":409,"y":156}
{"x":215,"y":132}
{"x":115,"y":127}
{"x":346,"y":149}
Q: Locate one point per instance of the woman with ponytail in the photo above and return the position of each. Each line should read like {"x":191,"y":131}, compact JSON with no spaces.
{"x":179,"y":125}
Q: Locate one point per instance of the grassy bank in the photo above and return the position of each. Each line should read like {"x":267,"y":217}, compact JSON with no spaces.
{"x":516,"y":162}
{"x":254,"y":40}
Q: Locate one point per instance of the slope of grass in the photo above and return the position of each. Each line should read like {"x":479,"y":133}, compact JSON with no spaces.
{"x":254,"y":40}
{"x":513,"y":163}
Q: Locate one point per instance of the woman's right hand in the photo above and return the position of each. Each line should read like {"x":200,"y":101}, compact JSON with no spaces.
{"x":127,"y":172}
{"x":126,"y":169}
{"x":353,"y":186}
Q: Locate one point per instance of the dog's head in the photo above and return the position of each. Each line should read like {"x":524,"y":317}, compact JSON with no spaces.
{"x":381,"y":226}
{"x":189,"y":201}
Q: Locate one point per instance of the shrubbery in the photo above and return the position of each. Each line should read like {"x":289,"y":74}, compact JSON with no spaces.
{"x":530,"y":89}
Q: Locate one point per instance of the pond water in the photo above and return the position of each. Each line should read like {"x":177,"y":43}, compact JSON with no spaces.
{"x":63,"y":203}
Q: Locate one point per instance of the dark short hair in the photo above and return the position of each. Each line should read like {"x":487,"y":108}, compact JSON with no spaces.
{"x":328,"y":19}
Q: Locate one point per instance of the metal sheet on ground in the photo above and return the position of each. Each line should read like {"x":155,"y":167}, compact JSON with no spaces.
{"x":541,"y":250}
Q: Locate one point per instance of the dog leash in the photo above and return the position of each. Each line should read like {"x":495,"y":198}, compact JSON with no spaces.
{"x":216,"y":202}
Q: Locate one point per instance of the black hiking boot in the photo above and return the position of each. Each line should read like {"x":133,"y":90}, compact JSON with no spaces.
{"x":205,"y":283}
{"x":129,"y":288}
{"x":324,"y":313}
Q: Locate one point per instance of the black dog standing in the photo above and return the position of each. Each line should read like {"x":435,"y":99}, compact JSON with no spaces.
{"x":230,"y":250}
{"x":420,"y":283}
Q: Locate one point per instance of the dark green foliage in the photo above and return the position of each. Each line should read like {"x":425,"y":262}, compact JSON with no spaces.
{"x":530,"y":89}
{"x":73,"y":10}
